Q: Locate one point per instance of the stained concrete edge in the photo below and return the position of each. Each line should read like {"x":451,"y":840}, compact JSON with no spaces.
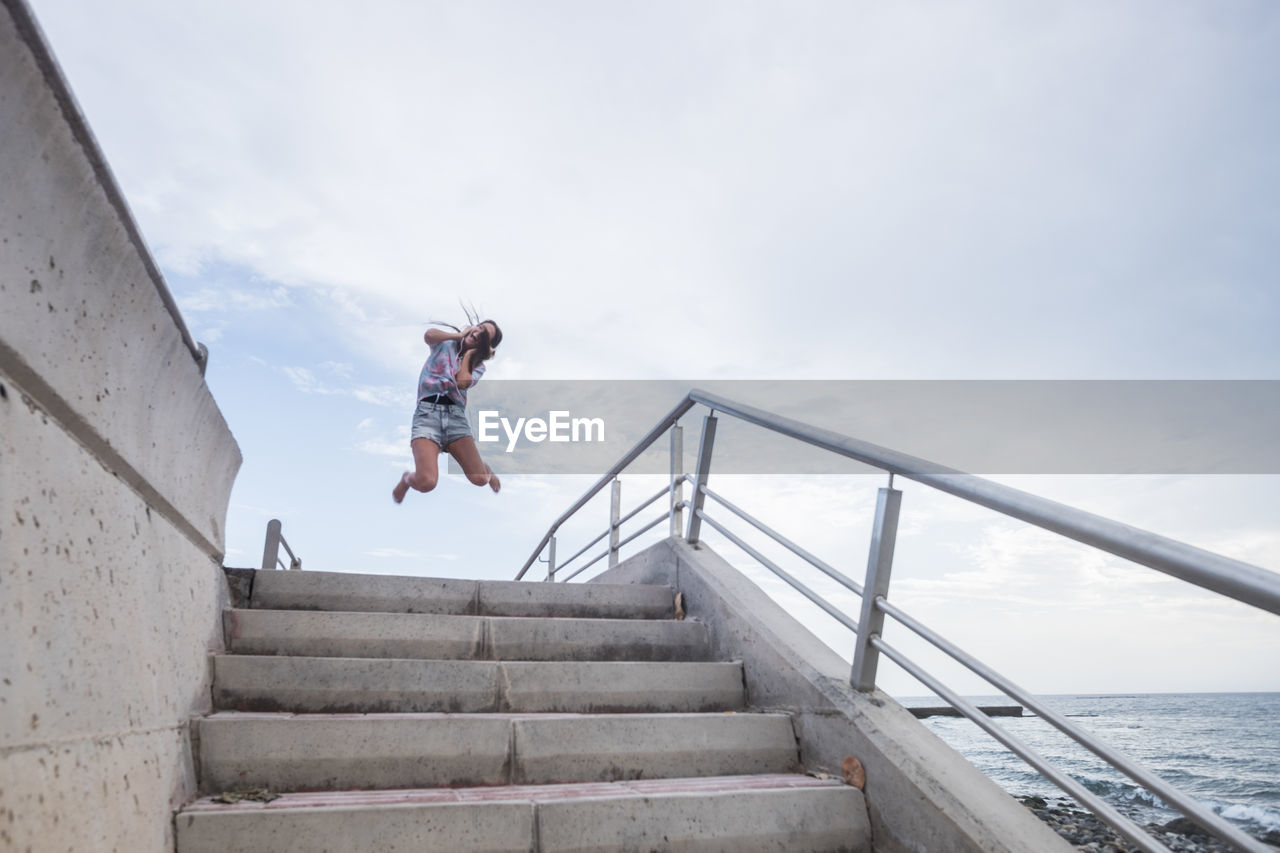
{"x":90,"y":330}
{"x":921,"y":794}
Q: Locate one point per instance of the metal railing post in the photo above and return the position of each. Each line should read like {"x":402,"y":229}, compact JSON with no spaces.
{"x":271,"y":548}
{"x":677,"y":481}
{"x":705,"y":446}
{"x":879,"y":567}
{"x":551,"y":560}
{"x":615,"y":512}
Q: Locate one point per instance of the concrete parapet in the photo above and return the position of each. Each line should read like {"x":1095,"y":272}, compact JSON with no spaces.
{"x":115,"y":471}
{"x":88,"y":329}
{"x":921,"y":794}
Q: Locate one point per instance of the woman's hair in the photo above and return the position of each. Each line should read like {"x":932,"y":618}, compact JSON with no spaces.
{"x":488,"y":347}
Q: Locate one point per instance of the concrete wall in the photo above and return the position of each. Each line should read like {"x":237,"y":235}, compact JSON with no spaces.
{"x":921,"y":794}
{"x":115,"y":471}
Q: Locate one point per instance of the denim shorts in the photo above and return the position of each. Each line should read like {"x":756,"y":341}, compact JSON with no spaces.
{"x":442,"y":424}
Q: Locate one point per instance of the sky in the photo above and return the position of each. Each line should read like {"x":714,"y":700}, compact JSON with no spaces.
{"x":711,"y":191}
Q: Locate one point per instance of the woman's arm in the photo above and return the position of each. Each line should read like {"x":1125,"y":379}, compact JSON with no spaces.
{"x":463,"y":376}
{"x":436,"y":336}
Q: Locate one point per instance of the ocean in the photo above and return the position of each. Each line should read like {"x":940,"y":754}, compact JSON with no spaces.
{"x":1221,"y":748}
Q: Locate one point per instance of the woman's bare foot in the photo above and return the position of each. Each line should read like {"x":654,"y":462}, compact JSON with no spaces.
{"x":402,"y":487}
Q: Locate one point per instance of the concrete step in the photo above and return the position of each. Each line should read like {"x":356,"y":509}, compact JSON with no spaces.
{"x":288,"y":752}
{"x":367,"y":685}
{"x":282,"y":590}
{"x":744,"y":814}
{"x":419,"y":635}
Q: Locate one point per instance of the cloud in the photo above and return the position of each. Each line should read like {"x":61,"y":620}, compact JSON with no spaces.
{"x":304,"y":380}
{"x":769,"y":169}
{"x":408,"y":555}
{"x":342,"y":370}
{"x":721,"y":190}
{"x":398,"y":450}
{"x":307,"y":382}
{"x":223,"y":300}
{"x":398,"y":398}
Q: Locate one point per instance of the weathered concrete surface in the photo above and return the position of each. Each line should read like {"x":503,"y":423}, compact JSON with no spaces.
{"x":596,"y":639}
{"x":354,"y":635}
{"x":286,"y":752}
{"x":355,"y":685}
{"x":314,"y":752}
{"x":491,"y":827}
{"x":280,"y":590}
{"x":744,"y":821}
{"x":623,"y":686}
{"x":723,"y":813}
{"x":627,"y":601}
{"x":442,"y":636}
{"x":921,"y":794}
{"x":371,"y":685}
{"x":115,"y":470}
{"x":85,"y":327}
{"x":512,"y":737}
{"x":607,"y":748}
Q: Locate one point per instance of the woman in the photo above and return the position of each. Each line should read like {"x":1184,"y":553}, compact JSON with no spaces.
{"x":455,"y":363}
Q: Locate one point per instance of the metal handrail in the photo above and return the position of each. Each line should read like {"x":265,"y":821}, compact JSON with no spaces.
{"x":1083,"y":795}
{"x":598,"y":557}
{"x":1115,"y":758}
{"x":1234,"y":579}
{"x":1223,"y":575}
{"x":643,"y":530}
{"x":830,"y":571}
{"x":833,"y":611}
{"x":1130,"y":830}
{"x":664,"y":490}
{"x":640,"y":447}
{"x":271,"y":549}
{"x":583,"y":549}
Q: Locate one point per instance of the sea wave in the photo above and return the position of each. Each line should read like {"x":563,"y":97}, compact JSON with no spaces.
{"x":1250,"y":816}
{"x":1121,"y":793}
{"x":1218,"y":749}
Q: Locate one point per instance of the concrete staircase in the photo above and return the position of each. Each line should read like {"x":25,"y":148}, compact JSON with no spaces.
{"x":395,"y":714}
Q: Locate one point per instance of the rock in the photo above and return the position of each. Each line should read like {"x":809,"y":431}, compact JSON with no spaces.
{"x":854,"y":774}
{"x":1186,"y":826}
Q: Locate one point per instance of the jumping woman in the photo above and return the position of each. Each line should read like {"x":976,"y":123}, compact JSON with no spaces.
{"x":455,"y":363}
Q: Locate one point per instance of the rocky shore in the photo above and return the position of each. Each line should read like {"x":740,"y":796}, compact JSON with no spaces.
{"x":1086,"y":832}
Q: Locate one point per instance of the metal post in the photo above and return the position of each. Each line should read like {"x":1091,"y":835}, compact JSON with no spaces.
{"x":879,"y":567}
{"x":677,"y":484}
{"x":615,"y":512}
{"x":271,"y":549}
{"x":705,"y":446}
{"x":551,"y":560}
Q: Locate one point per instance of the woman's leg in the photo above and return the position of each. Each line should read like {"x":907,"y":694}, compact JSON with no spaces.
{"x":426,"y":469}
{"x":468,"y":455}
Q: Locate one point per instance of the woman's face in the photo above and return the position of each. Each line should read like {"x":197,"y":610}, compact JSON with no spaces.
{"x":476,"y":336}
